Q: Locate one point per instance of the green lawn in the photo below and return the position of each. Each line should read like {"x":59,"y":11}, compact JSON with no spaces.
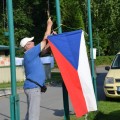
{"x":107,"y":110}
{"x":8,"y":85}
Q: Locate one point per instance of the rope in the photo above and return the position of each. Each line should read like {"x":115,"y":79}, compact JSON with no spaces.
{"x":48,"y":9}
{"x":57,"y":27}
{"x":66,"y":27}
{"x":86,"y":116}
{"x":69,"y":28}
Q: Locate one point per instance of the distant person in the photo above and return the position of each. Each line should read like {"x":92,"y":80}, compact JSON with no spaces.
{"x":34,"y":71}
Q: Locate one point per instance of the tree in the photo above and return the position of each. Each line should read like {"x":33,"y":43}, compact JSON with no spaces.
{"x":30,"y":18}
{"x":105,"y":19}
{"x":71,"y":15}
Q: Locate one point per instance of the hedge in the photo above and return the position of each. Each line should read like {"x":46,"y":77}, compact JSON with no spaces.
{"x":104,"y":60}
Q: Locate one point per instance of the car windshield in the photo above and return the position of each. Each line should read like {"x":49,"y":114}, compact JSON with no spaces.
{"x":116,"y":62}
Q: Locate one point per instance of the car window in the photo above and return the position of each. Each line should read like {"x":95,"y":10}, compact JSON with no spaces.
{"x":116,"y":62}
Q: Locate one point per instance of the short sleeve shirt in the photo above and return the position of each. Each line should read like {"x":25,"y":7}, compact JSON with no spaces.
{"x":34,"y":69}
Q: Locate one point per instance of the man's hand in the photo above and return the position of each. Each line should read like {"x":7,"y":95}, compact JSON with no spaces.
{"x":48,"y":32}
{"x":49,"y":26}
{"x":49,"y":22}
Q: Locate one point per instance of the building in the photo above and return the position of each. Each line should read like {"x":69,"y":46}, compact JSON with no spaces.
{"x":5,"y":74}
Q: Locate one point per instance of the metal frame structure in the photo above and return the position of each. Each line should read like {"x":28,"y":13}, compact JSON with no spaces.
{"x":14,"y":98}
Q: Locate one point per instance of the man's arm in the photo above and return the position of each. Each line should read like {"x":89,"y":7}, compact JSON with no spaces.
{"x":48,"y":32}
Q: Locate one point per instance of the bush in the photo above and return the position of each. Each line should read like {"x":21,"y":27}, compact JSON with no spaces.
{"x":104,"y":60}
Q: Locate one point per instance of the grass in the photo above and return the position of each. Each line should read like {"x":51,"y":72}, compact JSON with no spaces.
{"x":107,"y":110}
{"x":8,"y":85}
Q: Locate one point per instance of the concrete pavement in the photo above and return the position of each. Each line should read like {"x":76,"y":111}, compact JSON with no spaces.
{"x":51,"y":105}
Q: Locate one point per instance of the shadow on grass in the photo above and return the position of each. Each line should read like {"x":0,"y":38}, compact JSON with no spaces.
{"x":115,"y":115}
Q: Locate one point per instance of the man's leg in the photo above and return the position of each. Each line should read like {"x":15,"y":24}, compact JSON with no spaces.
{"x":34,"y":97}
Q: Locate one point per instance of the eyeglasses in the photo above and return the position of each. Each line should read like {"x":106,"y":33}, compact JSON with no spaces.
{"x":29,"y":43}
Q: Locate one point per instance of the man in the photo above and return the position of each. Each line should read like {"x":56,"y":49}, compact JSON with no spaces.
{"x":34,"y":71}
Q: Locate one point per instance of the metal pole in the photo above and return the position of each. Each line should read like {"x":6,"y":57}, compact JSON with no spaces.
{"x":91,"y":47}
{"x":65,"y":93}
{"x":58,"y":16}
{"x":14,"y":98}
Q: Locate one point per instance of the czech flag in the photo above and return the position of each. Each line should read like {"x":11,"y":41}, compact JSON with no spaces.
{"x":70,"y":52}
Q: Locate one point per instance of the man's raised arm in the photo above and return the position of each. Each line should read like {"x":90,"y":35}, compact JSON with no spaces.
{"x":48,"y":32}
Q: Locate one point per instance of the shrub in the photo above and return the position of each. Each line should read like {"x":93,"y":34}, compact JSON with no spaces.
{"x":104,"y":60}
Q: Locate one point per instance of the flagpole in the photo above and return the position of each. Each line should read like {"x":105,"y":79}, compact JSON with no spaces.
{"x":14,"y":98}
{"x":91,"y":47}
{"x":65,"y":93}
{"x":58,"y":16}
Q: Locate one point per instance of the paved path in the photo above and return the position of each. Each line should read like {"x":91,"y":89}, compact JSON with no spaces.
{"x":51,"y":105}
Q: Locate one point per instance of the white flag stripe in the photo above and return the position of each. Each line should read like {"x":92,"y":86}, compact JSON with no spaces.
{"x":85,"y":77}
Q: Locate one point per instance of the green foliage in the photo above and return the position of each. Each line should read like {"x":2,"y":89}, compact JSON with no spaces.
{"x":105,"y":22}
{"x":30,"y":18}
{"x":71,"y":14}
{"x":3,"y":40}
{"x":104,"y":60}
{"x":22,"y":24}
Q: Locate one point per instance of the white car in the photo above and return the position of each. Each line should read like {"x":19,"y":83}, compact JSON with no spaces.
{"x":112,"y":79}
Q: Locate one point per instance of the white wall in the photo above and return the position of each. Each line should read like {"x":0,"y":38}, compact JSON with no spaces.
{"x":5,"y":75}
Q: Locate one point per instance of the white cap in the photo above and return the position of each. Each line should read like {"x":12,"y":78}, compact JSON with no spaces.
{"x":24,"y":41}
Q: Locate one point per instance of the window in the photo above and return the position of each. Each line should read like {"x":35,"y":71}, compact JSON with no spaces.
{"x":116,"y":62}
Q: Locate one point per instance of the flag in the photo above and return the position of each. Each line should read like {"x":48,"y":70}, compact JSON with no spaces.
{"x":70,"y":52}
